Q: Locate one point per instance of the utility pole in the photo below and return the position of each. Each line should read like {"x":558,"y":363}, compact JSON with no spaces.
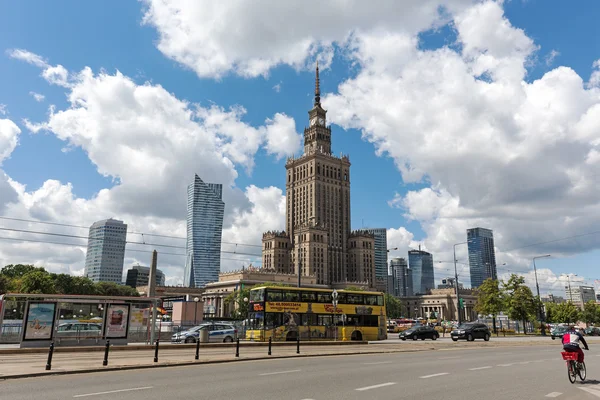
{"x":537,"y":287}
{"x":458,"y":306}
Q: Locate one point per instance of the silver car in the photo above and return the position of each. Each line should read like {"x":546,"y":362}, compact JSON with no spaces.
{"x":217,"y":333}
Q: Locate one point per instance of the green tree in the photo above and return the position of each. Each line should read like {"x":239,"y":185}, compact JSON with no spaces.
{"x":490,"y":299}
{"x":355,"y":289}
{"x":4,"y":284}
{"x":520,"y":303}
{"x":590,"y":313}
{"x":113,"y":289}
{"x":236,"y":298}
{"x":393,"y":306}
{"x":15,"y":271}
{"x":37,"y":282}
{"x":563,"y":312}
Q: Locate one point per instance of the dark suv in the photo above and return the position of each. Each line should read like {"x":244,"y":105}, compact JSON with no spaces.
{"x":471,"y":331}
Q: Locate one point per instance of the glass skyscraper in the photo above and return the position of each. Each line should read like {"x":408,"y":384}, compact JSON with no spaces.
{"x":106,"y":251}
{"x":205,"y":210}
{"x":402,"y":277}
{"x":482,"y":257}
{"x":381,"y":270}
{"x":421,"y":265}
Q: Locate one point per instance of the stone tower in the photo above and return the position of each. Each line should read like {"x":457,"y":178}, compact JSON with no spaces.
{"x":318,"y":212}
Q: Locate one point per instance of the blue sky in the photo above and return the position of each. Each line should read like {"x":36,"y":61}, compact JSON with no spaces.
{"x":110,"y":36}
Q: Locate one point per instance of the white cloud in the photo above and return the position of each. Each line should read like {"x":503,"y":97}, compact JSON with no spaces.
{"x":28,"y":57}
{"x":152,"y":145}
{"x":277,"y":87}
{"x":54,"y":74}
{"x":3,"y":109}
{"x":497,"y":151}
{"x":9,"y":138}
{"x":199,"y":34}
{"x":550,"y":57}
{"x":37,"y":96}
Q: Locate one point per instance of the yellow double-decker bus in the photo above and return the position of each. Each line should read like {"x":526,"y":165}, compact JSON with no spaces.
{"x":286,"y":313}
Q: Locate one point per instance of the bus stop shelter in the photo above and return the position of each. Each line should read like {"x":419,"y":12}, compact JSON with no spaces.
{"x":36,"y":320}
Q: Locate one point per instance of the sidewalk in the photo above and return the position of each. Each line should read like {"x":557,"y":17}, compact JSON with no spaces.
{"x":33,"y":364}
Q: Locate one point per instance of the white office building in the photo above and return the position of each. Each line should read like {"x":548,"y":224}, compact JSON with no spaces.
{"x":106,"y":251}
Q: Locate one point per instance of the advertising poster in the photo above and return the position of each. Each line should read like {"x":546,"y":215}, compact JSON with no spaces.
{"x":39,"y":322}
{"x":117,"y":321}
{"x":139,"y":317}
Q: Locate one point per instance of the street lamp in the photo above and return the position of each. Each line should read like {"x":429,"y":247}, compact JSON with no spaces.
{"x":537,"y":287}
{"x":456,"y":282}
{"x":196,"y":300}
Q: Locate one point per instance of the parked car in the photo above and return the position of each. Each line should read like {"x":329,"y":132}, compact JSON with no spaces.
{"x":592,"y":331}
{"x":79,"y":329}
{"x":419,"y":332}
{"x":558,"y":332}
{"x":471,"y":331}
{"x":217,"y":332}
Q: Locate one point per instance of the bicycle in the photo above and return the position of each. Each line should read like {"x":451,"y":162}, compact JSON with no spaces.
{"x":573,"y":367}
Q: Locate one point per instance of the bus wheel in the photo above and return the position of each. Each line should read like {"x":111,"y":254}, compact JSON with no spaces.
{"x":356,"y":335}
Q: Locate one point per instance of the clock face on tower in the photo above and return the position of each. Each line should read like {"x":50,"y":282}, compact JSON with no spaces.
{"x":322,"y":121}
{"x":313,"y":121}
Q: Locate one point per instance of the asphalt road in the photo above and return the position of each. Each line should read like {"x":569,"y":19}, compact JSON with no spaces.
{"x":479,"y":373}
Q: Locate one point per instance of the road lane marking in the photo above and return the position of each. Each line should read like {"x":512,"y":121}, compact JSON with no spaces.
{"x":113,"y":391}
{"x":377,"y":363}
{"x":448,"y":358}
{"x":478,"y":368}
{"x":595,"y":392}
{"x":553,"y":394}
{"x":431,"y":376}
{"x":375,"y":386}
{"x":504,"y":365}
{"x":524,"y":362}
{"x":280,"y":372}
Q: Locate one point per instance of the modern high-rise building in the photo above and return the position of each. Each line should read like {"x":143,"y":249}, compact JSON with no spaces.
{"x":318,"y":240}
{"x":402,"y":277}
{"x":138,"y":276}
{"x":205,"y":211}
{"x":381,"y":267}
{"x":482,"y":256}
{"x":421,"y":265}
{"x":580,"y":294}
{"x":106,"y":251}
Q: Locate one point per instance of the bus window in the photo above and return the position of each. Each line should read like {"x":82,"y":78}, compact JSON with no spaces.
{"x":342,"y":298}
{"x":324,"y":320}
{"x":272,"y":320}
{"x":324,"y":298}
{"x":379,"y":300}
{"x":274,"y":295}
{"x":257,"y":295}
{"x":309,"y":319}
{"x":355,"y":298}
{"x":371,"y":300}
{"x":291,"y":296}
{"x":309,"y":297}
{"x":369,"y":320}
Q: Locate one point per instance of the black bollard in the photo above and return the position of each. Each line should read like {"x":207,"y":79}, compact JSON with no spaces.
{"x":197,"y":349}
{"x":105,"y":361}
{"x":298,"y":345}
{"x":156,"y":352}
{"x":270,"y":346}
{"x":50,"y":352}
{"x":237,"y":347}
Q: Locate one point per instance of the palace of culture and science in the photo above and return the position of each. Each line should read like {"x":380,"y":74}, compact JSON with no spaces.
{"x":318,"y":239}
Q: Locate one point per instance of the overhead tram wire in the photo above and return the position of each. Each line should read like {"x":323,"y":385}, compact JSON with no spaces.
{"x":133,"y":250}
{"x":129,"y":232}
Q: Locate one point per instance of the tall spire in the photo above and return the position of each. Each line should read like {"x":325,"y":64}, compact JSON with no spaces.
{"x":317,"y":89}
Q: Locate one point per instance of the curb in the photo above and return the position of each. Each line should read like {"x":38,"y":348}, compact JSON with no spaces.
{"x":188,"y":363}
{"x":168,"y":346}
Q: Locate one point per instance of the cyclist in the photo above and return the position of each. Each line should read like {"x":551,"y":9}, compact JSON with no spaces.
{"x":570,"y":341}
